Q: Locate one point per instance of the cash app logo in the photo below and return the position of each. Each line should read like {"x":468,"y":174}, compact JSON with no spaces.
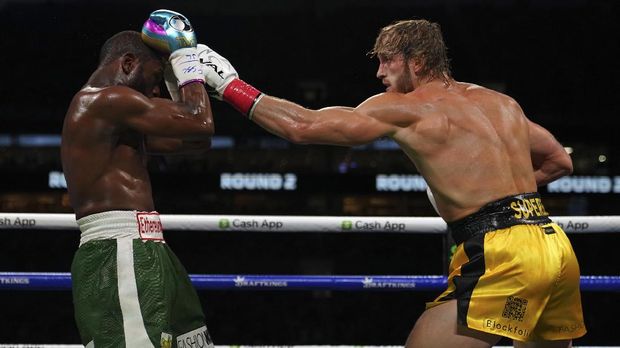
{"x":346,"y":225}
{"x":224,"y":223}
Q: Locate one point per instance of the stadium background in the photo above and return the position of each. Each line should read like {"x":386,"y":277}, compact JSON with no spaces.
{"x":557,"y":58}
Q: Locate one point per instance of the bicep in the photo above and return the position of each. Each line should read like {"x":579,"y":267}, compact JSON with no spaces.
{"x":153,"y":116}
{"x":331,"y":126}
{"x":346,"y":126}
{"x":161,"y":117}
{"x":378,"y":116}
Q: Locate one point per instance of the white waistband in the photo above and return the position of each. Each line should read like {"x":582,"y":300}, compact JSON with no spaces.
{"x":118,"y":224}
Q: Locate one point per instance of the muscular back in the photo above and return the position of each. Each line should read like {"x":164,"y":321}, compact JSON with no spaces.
{"x":103,"y":161}
{"x":470,"y":143}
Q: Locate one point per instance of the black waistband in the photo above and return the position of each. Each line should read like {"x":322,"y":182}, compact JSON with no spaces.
{"x":525,"y":208}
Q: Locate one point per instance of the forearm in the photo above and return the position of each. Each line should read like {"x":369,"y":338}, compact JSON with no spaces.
{"x":543,"y":177}
{"x":189,"y":118}
{"x":552,"y":169}
{"x":337,"y":125}
{"x":196,"y":99}
{"x":283,"y":118}
{"x":549,"y":159}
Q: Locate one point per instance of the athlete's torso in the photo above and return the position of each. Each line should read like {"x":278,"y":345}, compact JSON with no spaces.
{"x":104,"y":163}
{"x":470,"y":143}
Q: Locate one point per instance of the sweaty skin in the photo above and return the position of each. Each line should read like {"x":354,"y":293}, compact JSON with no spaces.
{"x":472,"y":145}
{"x":110,"y":128}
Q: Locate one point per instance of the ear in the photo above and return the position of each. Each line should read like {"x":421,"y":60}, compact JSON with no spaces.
{"x":416,"y":65}
{"x":128,"y":62}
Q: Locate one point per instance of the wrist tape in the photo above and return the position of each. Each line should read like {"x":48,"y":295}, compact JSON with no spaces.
{"x":242,"y":96}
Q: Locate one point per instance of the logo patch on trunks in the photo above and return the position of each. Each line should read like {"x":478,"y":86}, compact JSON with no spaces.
{"x":166,"y":340}
{"x":149,"y":226}
{"x":198,"y":338}
{"x":515,"y":308}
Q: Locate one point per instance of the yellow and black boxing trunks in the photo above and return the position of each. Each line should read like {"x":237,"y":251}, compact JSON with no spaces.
{"x":514,"y":273}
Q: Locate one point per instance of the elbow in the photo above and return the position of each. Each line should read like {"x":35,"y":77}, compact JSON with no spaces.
{"x":553,"y":168}
{"x":205,"y":119}
{"x":207,"y":128}
{"x":559,"y":167}
{"x":200,"y":133}
{"x":197,"y":147}
{"x":568,"y":168}
{"x":565,"y":164}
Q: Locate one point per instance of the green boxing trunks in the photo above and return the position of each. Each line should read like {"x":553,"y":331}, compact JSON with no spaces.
{"x":129,"y":289}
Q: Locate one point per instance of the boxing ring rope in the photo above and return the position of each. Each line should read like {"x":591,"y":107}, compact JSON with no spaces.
{"x":284,"y":223}
{"x":266,"y":223}
{"x":62,"y":281}
{"x":33,"y":281}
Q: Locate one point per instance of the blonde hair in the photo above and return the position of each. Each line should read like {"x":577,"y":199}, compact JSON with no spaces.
{"x":418,"y":39}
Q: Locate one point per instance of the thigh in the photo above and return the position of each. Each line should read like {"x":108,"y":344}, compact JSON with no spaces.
{"x":437,"y":327}
{"x":562,"y":317}
{"x":168,"y":301}
{"x":95,"y":294}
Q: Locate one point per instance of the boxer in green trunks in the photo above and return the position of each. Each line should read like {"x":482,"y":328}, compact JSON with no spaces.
{"x":129,"y":289}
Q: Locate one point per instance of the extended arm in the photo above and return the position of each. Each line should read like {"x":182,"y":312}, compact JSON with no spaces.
{"x":332,"y":126}
{"x":549,"y":159}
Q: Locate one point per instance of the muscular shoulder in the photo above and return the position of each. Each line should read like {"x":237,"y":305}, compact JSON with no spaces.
{"x":394,"y":108}
{"x":487,"y":94}
{"x":111,"y":101}
{"x":119,"y":96}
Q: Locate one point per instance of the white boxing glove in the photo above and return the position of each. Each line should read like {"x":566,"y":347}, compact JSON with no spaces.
{"x":218,"y":71}
{"x":186,"y":66}
{"x":220,"y":75}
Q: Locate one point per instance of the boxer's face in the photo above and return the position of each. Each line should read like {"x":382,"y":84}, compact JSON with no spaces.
{"x":146,"y":77}
{"x":395,"y":74}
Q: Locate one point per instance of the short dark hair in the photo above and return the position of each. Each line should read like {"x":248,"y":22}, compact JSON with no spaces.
{"x":122,"y":43}
{"x":418,"y":39}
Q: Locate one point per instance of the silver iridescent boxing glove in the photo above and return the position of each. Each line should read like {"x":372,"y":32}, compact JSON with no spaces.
{"x":170,"y":32}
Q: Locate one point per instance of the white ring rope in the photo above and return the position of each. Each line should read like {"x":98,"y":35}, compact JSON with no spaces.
{"x":257,"y":223}
{"x":284,"y":223}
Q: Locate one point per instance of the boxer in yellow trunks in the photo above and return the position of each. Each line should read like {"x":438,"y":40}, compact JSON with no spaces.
{"x":129,"y":289}
{"x":514,"y":273}
{"x":511,"y":261}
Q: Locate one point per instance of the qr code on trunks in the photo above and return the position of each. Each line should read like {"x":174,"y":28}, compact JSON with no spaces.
{"x":515,"y":308}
